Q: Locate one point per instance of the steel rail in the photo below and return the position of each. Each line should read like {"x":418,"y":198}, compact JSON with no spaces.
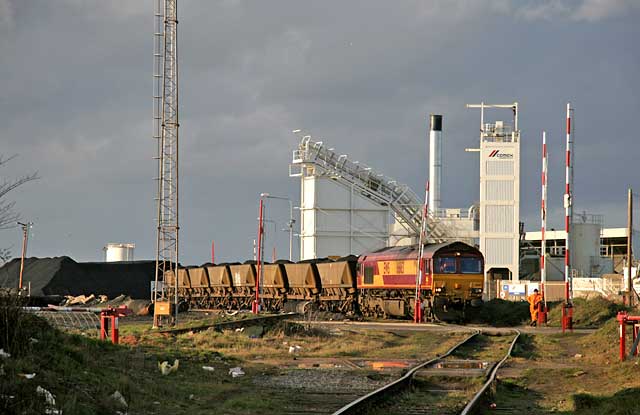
{"x":361,"y":404}
{"x":227,"y":324}
{"x":473,"y":403}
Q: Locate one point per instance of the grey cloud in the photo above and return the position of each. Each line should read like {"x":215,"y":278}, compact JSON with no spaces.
{"x":6,"y":16}
{"x":362,"y":77}
{"x":580,"y":10}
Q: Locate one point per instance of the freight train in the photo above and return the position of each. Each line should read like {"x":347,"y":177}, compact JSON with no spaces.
{"x":379,"y":284}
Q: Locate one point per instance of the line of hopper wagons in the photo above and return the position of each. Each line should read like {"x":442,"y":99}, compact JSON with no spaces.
{"x":381,"y":283}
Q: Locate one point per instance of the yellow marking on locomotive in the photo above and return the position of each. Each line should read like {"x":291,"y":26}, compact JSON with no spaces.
{"x":404,"y":267}
{"x":459,"y":284}
{"x":378,"y":280}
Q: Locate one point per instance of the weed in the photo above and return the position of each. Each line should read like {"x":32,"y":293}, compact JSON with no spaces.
{"x":525,"y":347}
{"x":502,"y":313}
{"x":624,"y":402}
{"x":592,"y":312}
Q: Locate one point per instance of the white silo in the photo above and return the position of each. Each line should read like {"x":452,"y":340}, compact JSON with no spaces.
{"x":118,"y":252}
{"x":585,"y":239}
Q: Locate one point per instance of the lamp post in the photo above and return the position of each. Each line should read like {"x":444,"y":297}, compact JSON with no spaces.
{"x":291,"y":220}
{"x":266,"y":237}
{"x":255,"y":308}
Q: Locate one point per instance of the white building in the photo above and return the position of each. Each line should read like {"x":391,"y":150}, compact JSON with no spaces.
{"x":597,"y":250}
{"x":499,"y":194}
{"x":348,"y":208}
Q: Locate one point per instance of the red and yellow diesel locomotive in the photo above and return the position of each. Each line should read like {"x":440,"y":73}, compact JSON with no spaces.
{"x":453,"y":280}
{"x":381,"y":283}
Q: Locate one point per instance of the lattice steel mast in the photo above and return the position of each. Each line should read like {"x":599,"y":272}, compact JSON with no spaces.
{"x":165,"y":131}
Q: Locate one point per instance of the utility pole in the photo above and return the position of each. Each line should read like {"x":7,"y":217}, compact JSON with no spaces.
{"x":629,"y":250}
{"x":166,"y":123}
{"x":255,"y":308}
{"x":25,"y":239}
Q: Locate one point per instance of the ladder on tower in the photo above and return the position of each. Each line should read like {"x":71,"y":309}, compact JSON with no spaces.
{"x":382,"y":190}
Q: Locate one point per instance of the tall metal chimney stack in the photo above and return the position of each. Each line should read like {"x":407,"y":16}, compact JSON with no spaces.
{"x":435,"y":162}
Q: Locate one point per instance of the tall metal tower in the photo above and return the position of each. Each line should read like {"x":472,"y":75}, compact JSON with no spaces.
{"x":165,"y":131}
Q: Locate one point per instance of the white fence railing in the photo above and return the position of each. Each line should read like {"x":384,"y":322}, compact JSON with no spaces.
{"x":610,"y":286}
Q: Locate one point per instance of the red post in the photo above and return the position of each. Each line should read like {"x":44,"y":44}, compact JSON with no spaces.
{"x":213,"y":252}
{"x":622,"y":319}
{"x":567,"y":311}
{"x":255,"y":308}
{"x":417,"y":315}
{"x":567,"y":317}
{"x":636,"y":330}
{"x":114,"y":329}
{"x":542,"y":313}
{"x":103,"y":326}
{"x":110,"y":316}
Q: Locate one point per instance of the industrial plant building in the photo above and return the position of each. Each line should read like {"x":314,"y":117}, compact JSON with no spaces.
{"x":348,"y":207}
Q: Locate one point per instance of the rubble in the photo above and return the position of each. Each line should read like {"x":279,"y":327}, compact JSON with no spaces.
{"x":236,"y":372}
{"x":294,"y":349}
{"x":49,"y":398}
{"x":117,"y":396}
{"x":166,"y":368}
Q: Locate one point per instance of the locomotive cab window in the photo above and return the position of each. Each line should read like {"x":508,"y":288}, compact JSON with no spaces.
{"x":446,"y":265}
{"x":368,"y":275}
{"x":470,"y":265}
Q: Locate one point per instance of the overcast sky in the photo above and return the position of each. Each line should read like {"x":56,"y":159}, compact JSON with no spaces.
{"x":76,"y":86}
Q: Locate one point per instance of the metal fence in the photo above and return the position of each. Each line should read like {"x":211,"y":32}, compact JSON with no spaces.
{"x":610,"y":286}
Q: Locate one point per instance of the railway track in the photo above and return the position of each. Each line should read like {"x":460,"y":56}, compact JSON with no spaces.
{"x":229,"y":325}
{"x":455,"y":382}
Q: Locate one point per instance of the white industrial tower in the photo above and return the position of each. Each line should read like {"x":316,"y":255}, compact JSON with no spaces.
{"x":165,"y":131}
{"x":499,"y":194}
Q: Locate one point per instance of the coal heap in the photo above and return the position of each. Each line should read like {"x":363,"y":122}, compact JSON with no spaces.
{"x":64,"y":276}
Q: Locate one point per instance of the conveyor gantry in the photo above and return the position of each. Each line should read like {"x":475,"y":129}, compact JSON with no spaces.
{"x":382,"y":190}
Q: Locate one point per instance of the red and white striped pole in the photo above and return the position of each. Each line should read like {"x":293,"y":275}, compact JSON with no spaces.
{"x":568,"y":202}
{"x":567,"y":308}
{"x":543,"y":218}
{"x":417,"y":314}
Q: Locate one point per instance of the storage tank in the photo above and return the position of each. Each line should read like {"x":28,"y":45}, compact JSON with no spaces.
{"x":116,"y":252}
{"x":585,"y":239}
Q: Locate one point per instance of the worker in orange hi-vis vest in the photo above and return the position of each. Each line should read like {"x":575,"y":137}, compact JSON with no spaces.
{"x":534,"y":299}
